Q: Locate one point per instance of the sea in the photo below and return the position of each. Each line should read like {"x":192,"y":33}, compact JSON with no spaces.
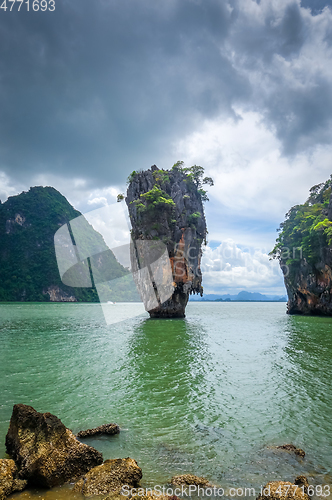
{"x":213,"y":394}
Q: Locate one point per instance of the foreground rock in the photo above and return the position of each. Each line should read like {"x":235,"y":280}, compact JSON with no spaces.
{"x":302,"y":481}
{"x":283,"y":490}
{"x":292,"y":448}
{"x":109,"y":429}
{"x":110,"y":477}
{"x":9,"y":481}
{"x":46,"y":452}
{"x":188,"y":479}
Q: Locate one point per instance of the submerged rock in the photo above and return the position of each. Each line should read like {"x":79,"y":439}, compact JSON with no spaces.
{"x":302,"y":481}
{"x":168,"y":230}
{"x":292,"y":448}
{"x":109,"y":429}
{"x":9,"y":481}
{"x":189,"y":479}
{"x":46,"y":452}
{"x":284,"y":490}
{"x":110,"y":477}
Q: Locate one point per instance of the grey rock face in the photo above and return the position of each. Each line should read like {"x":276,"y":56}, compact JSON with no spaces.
{"x":166,"y":210}
{"x":309,"y":287}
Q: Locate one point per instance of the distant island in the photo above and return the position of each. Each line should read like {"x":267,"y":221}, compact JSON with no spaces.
{"x":243,"y":296}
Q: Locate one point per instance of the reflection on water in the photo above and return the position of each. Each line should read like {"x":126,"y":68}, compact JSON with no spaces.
{"x":169,"y":361}
{"x":212,"y":394}
{"x":168,"y":377}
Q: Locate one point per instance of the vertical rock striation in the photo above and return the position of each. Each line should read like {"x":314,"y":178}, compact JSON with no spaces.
{"x":168,"y":230}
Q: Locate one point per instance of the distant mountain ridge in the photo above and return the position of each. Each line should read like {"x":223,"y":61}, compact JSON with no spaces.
{"x":243,"y":296}
{"x":28,"y":265}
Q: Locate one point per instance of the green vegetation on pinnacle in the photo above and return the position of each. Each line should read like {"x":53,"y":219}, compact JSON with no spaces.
{"x":151,"y":204}
{"x":195,"y":175}
{"x":306,"y":231}
{"x":28,"y":266}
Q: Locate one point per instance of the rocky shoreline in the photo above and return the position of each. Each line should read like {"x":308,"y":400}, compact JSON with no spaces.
{"x":44,"y":454}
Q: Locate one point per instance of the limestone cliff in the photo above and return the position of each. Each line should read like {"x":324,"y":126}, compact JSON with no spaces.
{"x":168,"y":230}
{"x":28,"y":264}
{"x":304,"y":251}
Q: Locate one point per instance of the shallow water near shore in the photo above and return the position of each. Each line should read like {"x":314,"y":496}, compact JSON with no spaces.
{"x":211,"y":395}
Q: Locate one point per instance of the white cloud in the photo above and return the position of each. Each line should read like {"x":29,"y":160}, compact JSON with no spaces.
{"x":228,"y":267}
{"x":7,"y":188}
{"x":98,"y":201}
{"x":251,"y":176}
{"x":79,"y":192}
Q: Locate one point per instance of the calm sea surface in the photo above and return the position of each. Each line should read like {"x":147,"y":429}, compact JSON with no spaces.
{"x":210,"y":395}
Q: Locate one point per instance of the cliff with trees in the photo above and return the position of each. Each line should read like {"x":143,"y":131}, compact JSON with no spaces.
{"x":28,"y":264}
{"x":304,"y":251}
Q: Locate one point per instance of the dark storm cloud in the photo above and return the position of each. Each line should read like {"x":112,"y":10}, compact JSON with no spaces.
{"x":316,"y":6}
{"x":99,"y":88}
{"x":285,"y":52}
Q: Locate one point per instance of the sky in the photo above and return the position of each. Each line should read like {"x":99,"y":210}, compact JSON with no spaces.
{"x":92,"y":90}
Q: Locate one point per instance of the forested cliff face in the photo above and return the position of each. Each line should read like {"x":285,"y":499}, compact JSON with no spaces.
{"x":304,"y":250}
{"x":28,"y":265}
{"x":167,"y":215}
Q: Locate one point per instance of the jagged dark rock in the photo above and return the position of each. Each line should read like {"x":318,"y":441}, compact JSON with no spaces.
{"x":284,"y":490}
{"x":9,"y":481}
{"x":110,"y":477}
{"x":188,"y":479}
{"x":109,"y":429}
{"x":46,"y":452}
{"x":302,"y":481}
{"x":292,"y":448}
{"x":166,"y":213}
{"x":309,"y":287}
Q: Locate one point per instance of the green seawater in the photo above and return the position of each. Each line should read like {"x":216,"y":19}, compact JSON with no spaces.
{"x":211,"y":395}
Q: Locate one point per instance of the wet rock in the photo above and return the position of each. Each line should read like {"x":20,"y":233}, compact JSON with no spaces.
{"x":109,"y":429}
{"x":302,"y":481}
{"x":9,"y":481}
{"x":110,"y":477}
{"x":189,"y":479}
{"x":292,"y":448}
{"x":46,"y":452}
{"x":283,"y":490}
